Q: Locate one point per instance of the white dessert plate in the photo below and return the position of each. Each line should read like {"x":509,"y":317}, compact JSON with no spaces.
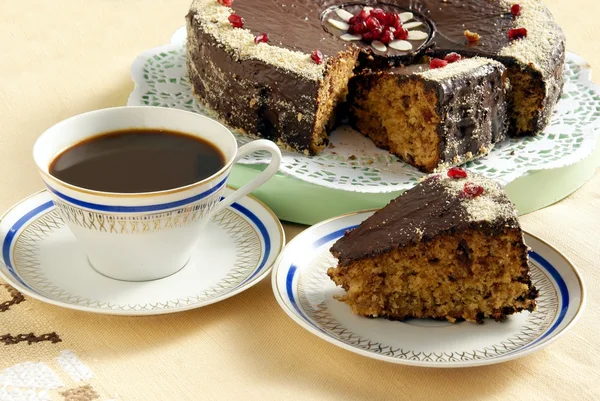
{"x":306,"y":294}
{"x":42,"y":259}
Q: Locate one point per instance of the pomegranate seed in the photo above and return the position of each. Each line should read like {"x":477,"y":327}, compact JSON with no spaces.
{"x":236,"y":21}
{"x":226,"y":3}
{"x":358,"y":28}
{"x":452,"y":57}
{"x":434,"y":177}
{"x":393,"y":19}
{"x":373,"y":23}
{"x":353,"y":20}
{"x":438,"y":63}
{"x":472,"y":190}
{"x":262,"y":38}
{"x":456,"y":172}
{"x":401,"y":33}
{"x":386,"y":37}
{"x":372,"y":35}
{"x":515,"y":10}
{"x":363,"y":15}
{"x":379,"y":14}
{"x":517,"y":33}
{"x":317,"y":56}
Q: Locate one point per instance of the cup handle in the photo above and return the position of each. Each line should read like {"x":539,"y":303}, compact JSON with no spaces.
{"x":254,"y":146}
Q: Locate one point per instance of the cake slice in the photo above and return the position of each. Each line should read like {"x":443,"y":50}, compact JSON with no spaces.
{"x":433,"y":117}
{"x":450,"y":248}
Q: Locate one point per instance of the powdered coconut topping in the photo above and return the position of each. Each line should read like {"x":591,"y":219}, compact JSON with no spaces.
{"x":482,"y":198}
{"x":213,"y":17}
{"x":465,"y":67}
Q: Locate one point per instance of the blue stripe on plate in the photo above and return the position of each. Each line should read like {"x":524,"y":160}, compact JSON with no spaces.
{"x":564,"y":293}
{"x":292,"y":271}
{"x":290,"y":290}
{"x":264,"y":232}
{"x":138,"y":209}
{"x":330,"y":237}
{"x":562,"y":286}
{"x":10,"y":236}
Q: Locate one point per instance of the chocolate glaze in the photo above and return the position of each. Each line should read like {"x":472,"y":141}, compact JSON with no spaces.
{"x":419,"y":214}
{"x":228,"y":84}
{"x":251,"y":96}
{"x":471,"y":106}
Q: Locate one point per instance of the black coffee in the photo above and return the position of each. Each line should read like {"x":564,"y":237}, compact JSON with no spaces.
{"x":137,"y":160}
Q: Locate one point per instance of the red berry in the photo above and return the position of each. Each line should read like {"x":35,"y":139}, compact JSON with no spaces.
{"x":386,"y":37}
{"x":377,"y":33}
{"x":452,"y":57}
{"x":515,"y":10}
{"x":226,"y":3}
{"x":358,"y":28}
{"x":456,"y":172}
{"x":401,"y":33}
{"x":471,"y":190}
{"x":373,"y":23}
{"x":438,"y":63}
{"x":363,"y":15}
{"x":393,"y":19}
{"x":434,"y":177}
{"x":261,"y":38}
{"x":317,"y":56}
{"x":236,"y":21}
{"x":372,"y":35}
{"x":379,"y":14}
{"x":517,"y":33}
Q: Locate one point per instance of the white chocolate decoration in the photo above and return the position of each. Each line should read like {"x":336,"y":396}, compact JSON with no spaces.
{"x":348,"y":37}
{"x":401,"y":45}
{"x":411,"y":25}
{"x":343,"y":14}
{"x":417,"y":35}
{"x":339,"y":24}
{"x":406,"y":17}
{"x":379,"y":46}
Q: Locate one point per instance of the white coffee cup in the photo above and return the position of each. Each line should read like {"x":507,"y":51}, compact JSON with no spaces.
{"x":143,"y":236}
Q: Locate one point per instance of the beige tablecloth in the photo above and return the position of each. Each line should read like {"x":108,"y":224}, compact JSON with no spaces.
{"x":63,"y":57}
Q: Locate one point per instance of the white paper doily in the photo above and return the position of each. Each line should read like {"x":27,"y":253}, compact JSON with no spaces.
{"x":355,"y":164}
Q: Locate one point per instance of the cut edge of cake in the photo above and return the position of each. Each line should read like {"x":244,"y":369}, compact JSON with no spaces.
{"x":433,"y":118}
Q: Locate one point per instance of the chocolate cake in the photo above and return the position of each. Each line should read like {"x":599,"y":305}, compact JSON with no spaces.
{"x":432,"y":117}
{"x":449,"y":248}
{"x":280,"y":69}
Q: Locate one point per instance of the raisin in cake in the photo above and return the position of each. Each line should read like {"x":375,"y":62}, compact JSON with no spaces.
{"x":449,"y":248}
{"x":279,"y":69}
{"x":431,"y":117}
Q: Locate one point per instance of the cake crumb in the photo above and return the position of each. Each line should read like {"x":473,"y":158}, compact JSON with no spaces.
{"x":472,"y":37}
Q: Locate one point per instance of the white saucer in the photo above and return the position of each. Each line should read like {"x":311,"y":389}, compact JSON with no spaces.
{"x":41,"y":258}
{"x":305,"y":293}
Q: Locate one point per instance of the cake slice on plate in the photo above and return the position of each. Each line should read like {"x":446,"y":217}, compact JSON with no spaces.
{"x":450,"y":248}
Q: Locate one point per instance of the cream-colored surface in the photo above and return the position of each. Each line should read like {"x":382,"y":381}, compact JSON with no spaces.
{"x":63,"y":57}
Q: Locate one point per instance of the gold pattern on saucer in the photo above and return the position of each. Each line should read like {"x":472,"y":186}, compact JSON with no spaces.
{"x":26,"y":259}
